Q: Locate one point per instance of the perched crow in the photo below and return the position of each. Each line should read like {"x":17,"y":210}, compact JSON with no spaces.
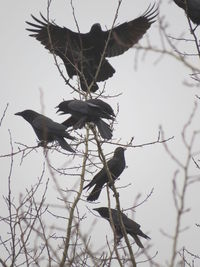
{"x":192,"y":8}
{"x":91,"y":110}
{"x":82,"y":52}
{"x":132,"y":228}
{"x":46,"y":129}
{"x":116,"y":165}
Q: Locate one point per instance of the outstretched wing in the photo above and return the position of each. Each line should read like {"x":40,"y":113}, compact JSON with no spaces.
{"x":59,"y":40}
{"x":127,"y":34}
{"x":180,"y":3}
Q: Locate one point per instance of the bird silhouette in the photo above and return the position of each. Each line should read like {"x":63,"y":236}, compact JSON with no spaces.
{"x":92,"y":110}
{"x":132,"y":228}
{"x":46,"y":129}
{"x":84,"y":54}
{"x":116,"y":165}
{"x":192,"y":9}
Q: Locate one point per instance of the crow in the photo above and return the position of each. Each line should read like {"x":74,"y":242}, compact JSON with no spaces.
{"x":91,"y":110}
{"x":84,"y":54}
{"x":192,"y":9}
{"x":46,"y":129}
{"x":132,"y":228}
{"x":116,"y":165}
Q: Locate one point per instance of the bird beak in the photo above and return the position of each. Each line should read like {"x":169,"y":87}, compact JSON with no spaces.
{"x":58,"y":110}
{"x":18,"y":114}
{"x":95,"y":209}
{"x":61,"y":112}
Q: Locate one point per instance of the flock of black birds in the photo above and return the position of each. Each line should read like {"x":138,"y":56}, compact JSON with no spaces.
{"x":85,"y":55}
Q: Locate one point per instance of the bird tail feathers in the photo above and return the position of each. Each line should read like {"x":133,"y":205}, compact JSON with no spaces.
{"x":104,"y":129}
{"x":85,"y":84}
{"x":105,"y":72}
{"x":69,"y":122}
{"x":68,"y":136}
{"x":137,"y":241}
{"x":94,"y":195}
{"x":64,"y":144}
{"x":145,"y":236}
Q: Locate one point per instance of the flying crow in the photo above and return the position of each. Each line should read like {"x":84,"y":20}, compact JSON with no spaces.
{"x":132,"y":228}
{"x":46,"y":129}
{"x":84,"y":54}
{"x":116,"y":165}
{"x":91,"y":110}
{"x":192,"y":8}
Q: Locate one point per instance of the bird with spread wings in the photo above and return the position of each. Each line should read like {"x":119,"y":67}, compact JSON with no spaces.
{"x":84,"y":54}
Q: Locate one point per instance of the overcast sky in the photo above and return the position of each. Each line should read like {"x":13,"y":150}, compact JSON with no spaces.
{"x":152,"y":95}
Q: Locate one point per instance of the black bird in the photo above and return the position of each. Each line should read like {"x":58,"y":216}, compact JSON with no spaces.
{"x":81,"y":53}
{"x":46,"y":129}
{"x":116,"y":165}
{"x":192,"y":8}
{"x":132,"y":228}
{"x":91,"y":110}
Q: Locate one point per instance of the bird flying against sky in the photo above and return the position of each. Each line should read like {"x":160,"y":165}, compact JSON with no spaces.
{"x":84,"y":54}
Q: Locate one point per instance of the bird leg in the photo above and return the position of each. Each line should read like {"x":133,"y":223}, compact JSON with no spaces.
{"x":111,"y":185}
{"x":43,"y":143}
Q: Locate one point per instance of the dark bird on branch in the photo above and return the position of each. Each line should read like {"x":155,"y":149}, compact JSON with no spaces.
{"x":46,"y":129}
{"x":192,"y":9}
{"x":132,"y":228}
{"x":116,"y":165}
{"x":84,"y":54}
{"x":92,"y":110}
